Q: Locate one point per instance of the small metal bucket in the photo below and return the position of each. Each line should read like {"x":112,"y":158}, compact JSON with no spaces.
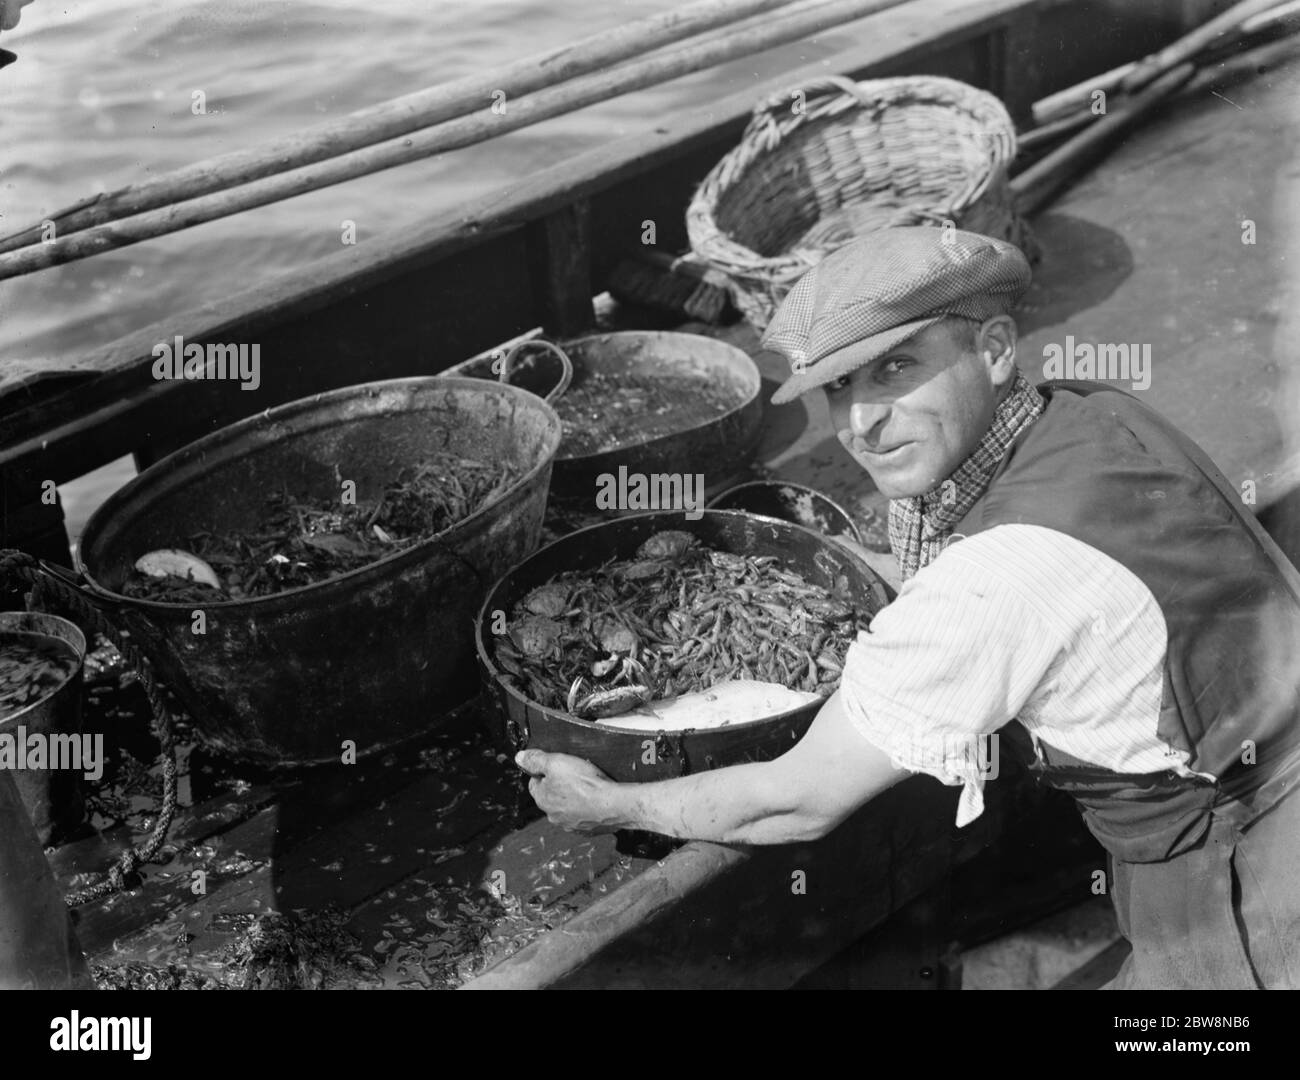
{"x":52,"y":796}
{"x":721,"y":445}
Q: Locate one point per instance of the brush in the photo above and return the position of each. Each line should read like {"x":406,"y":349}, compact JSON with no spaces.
{"x":678,"y":285}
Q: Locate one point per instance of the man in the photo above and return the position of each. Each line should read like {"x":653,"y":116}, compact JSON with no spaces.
{"x":1068,"y":559}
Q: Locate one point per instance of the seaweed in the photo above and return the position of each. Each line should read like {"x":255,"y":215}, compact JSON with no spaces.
{"x":301,"y":542}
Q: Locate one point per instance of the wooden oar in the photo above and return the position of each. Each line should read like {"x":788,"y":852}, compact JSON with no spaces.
{"x":707,"y":51}
{"x":1037,"y":185}
{"x":1235,"y":67}
{"x":1066,"y":104}
{"x":399,"y":116}
{"x":1187,"y":46}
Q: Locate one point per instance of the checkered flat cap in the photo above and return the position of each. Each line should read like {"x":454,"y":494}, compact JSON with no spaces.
{"x":883,"y":288}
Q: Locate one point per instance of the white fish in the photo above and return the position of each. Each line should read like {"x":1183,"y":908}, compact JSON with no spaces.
{"x":735,"y":701}
{"x":179,"y":564}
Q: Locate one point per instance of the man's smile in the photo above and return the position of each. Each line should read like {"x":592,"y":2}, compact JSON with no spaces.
{"x":876,"y":453}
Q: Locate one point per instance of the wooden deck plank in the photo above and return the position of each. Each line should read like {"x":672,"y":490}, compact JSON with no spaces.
{"x":715,"y":916}
{"x":1148,"y":250}
{"x":263,"y":825}
{"x":534,"y":880}
{"x":341,"y":863}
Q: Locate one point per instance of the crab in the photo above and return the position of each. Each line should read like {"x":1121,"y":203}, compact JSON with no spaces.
{"x":642,"y":570}
{"x":549,"y":600}
{"x":612,"y":699}
{"x":828,"y":610}
{"x":537,"y":637}
{"x":615,"y":637}
{"x":595,"y":705}
{"x":667,"y":544}
{"x":614,"y":669}
{"x":726,"y":560}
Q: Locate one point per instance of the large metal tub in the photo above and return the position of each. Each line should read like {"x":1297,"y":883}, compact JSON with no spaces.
{"x":373,"y":656}
{"x":622,"y":754}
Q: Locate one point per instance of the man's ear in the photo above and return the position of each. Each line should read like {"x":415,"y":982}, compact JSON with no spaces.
{"x":997,"y":348}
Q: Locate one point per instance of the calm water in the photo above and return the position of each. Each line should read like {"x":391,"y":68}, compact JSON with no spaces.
{"x":101,"y":96}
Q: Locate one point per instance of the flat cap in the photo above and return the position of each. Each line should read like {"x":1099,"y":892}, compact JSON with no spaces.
{"x":881,"y":289}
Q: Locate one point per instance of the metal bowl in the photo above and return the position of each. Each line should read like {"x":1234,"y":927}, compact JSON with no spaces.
{"x":725,"y":442}
{"x":374,"y":655}
{"x":625,"y":755}
{"x":790,"y":502}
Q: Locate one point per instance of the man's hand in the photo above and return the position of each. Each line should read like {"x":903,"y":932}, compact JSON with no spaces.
{"x":10,"y":12}
{"x":798,"y":797}
{"x":574,"y":793}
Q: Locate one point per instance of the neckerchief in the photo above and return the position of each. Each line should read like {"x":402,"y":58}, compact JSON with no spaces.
{"x":920,"y":526}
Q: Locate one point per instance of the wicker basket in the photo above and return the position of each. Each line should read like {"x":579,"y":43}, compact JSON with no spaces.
{"x":835,"y":159}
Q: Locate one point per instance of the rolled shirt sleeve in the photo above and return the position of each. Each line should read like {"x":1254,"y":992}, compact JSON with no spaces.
{"x":952,"y":659}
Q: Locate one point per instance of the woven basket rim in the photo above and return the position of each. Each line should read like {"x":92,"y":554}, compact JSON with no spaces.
{"x":833,"y":100}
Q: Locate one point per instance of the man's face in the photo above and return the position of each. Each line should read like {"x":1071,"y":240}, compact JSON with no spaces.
{"x":912,"y":416}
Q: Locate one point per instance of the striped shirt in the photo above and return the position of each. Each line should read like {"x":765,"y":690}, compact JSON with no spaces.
{"x":1016,"y":622}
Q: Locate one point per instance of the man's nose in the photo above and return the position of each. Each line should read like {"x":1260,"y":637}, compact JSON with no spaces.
{"x":864,"y":416}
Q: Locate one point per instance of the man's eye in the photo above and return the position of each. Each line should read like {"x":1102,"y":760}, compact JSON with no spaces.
{"x":897,"y":364}
{"x":836,"y":385}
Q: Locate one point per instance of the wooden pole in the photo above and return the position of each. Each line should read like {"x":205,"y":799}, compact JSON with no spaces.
{"x":1037,"y":185}
{"x":398,"y":116}
{"x":1067,"y":102}
{"x":1235,"y":67}
{"x":1207,"y":34}
{"x":1245,"y":65}
{"x":716,"y":48}
{"x":1045,"y":133}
